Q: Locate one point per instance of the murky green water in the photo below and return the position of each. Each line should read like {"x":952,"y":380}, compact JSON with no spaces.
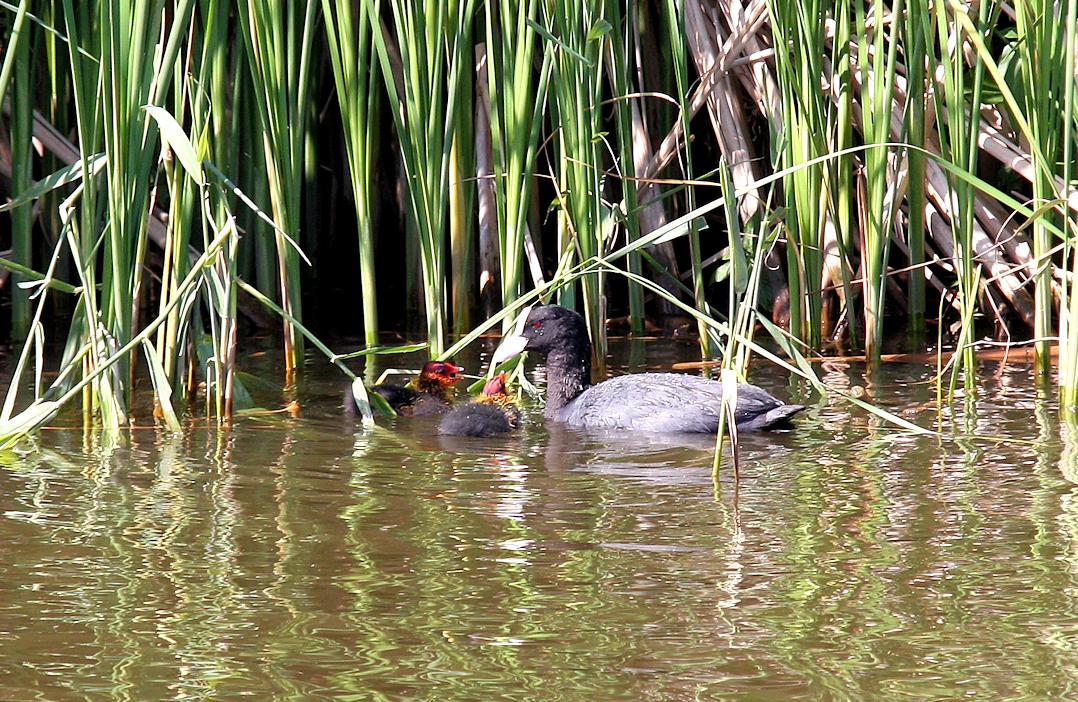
{"x":295,"y":559}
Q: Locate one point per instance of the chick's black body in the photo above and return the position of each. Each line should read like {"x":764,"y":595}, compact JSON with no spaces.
{"x":492,"y":412}
{"x":429,"y":393}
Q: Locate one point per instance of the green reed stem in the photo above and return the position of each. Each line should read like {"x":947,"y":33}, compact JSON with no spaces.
{"x":880,"y":43}
{"x":1042,"y":46}
{"x":17,"y":62}
{"x":675,"y":37}
{"x":278,"y":38}
{"x":1068,"y":308}
{"x":517,"y":97}
{"x":353,"y":60}
{"x":41,"y":411}
{"x":807,"y":120}
{"x":577,"y":32}
{"x":425,"y":99}
{"x":917,"y":35}
{"x":618,"y":67}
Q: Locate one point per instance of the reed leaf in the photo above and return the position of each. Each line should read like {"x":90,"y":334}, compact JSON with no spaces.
{"x":162,"y":388}
{"x":1068,"y":328}
{"x":517,"y":96}
{"x":34,"y":345}
{"x":354,"y":62}
{"x":877,"y":57}
{"x":618,"y":67}
{"x":959,"y":147}
{"x":1041,"y":49}
{"x":674,"y":17}
{"x":15,"y":428}
{"x":64,"y":176}
{"x":916,"y":39}
{"x":577,"y":33}
{"x":175,"y":138}
{"x":278,"y":38}
{"x":17,"y":61}
{"x":17,"y":41}
{"x":433,"y":57}
{"x":807,"y":120}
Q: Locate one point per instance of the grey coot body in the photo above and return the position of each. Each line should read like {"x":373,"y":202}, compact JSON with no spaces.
{"x":492,"y":412}
{"x":656,"y":402}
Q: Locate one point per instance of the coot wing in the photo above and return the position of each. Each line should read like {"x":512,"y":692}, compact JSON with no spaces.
{"x":670,"y":403}
{"x":656,"y":402}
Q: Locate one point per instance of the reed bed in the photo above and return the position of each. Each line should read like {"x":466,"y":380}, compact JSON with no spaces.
{"x":825,"y":170}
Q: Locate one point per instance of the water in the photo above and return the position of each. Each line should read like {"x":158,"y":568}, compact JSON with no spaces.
{"x":297,"y":559}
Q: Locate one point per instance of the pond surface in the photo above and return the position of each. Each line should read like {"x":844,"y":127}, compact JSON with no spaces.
{"x":298,"y":559}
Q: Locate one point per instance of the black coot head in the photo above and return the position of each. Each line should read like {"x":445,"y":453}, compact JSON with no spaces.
{"x":549,"y":327}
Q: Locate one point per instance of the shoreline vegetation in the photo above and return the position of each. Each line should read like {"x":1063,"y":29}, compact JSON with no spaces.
{"x":177,"y":173}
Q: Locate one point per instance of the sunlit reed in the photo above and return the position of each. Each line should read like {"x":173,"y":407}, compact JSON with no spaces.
{"x":433,"y":45}
{"x":278,"y":40}
{"x":351,"y":51}
{"x":879,"y":122}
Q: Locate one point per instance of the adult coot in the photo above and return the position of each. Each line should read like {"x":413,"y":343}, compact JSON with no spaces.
{"x":431,"y":392}
{"x":492,"y":412}
{"x":656,"y":402}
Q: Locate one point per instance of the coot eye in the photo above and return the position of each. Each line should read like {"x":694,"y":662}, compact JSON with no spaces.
{"x":536,"y":325}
